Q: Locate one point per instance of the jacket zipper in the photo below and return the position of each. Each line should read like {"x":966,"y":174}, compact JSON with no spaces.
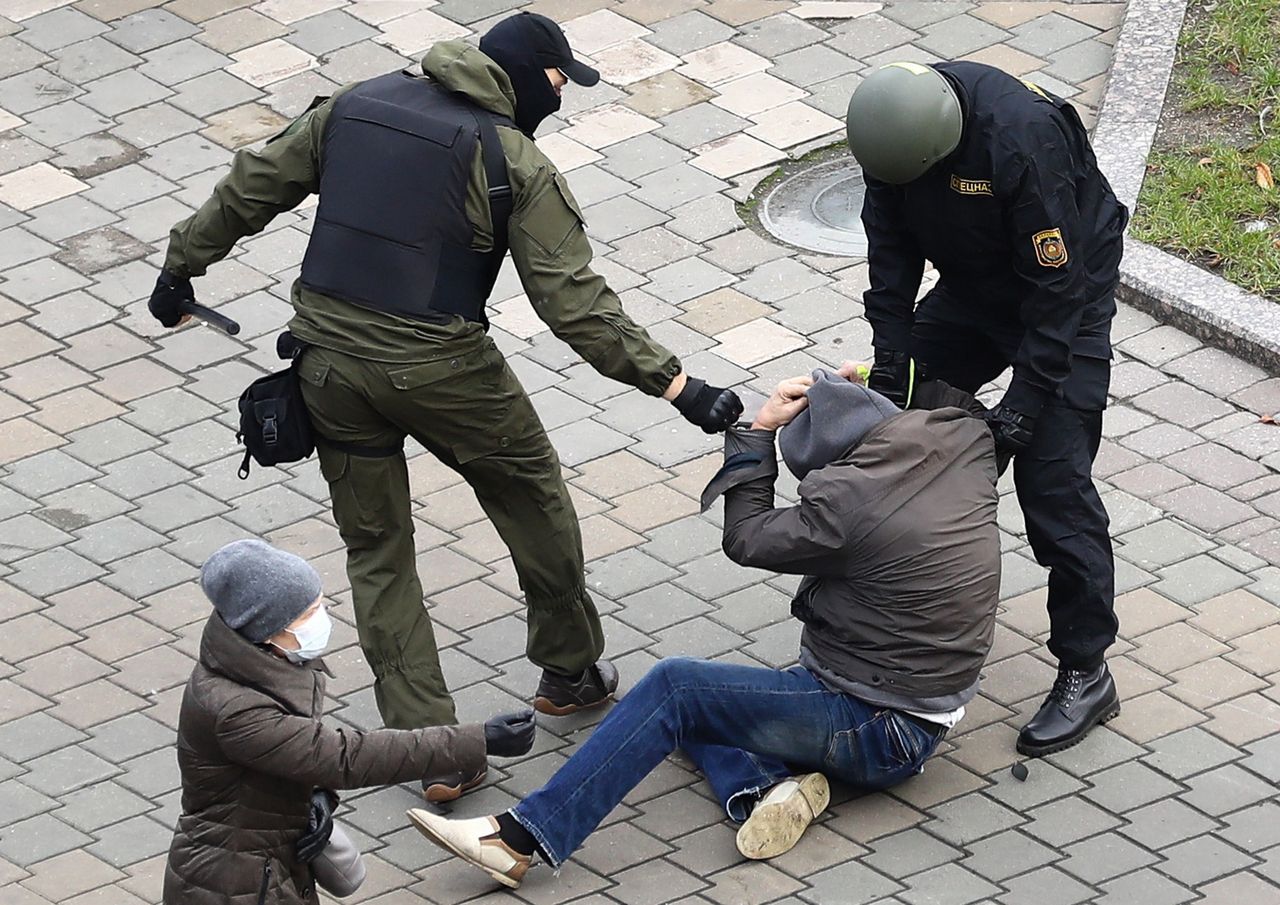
{"x":266,"y":882}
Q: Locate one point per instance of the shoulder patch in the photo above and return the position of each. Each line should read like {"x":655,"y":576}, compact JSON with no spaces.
{"x":970,"y":186}
{"x":1051,"y":250}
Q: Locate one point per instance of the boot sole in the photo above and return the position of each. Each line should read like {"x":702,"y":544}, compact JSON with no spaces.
{"x":438,"y":793}
{"x":431,"y":835}
{"x":1042,"y":750}
{"x":774,"y":829}
{"x":551,"y":708}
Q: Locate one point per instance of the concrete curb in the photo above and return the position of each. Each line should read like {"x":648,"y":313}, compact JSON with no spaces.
{"x":1178,"y":293}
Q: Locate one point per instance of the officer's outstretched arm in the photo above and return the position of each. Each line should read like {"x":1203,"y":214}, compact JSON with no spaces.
{"x":552,"y":255}
{"x":262,"y":183}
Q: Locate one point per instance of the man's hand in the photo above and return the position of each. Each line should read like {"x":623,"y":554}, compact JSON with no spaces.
{"x":711,"y":408}
{"x":892,"y":376}
{"x":855,"y":371}
{"x":509,"y":734}
{"x":787,"y":401}
{"x":1011,"y":429}
{"x":169,"y":297}
{"x":319,"y":826}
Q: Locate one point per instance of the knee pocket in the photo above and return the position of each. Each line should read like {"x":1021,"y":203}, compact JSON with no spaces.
{"x":360,"y":489}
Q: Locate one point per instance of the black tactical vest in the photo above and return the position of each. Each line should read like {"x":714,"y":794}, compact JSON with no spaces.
{"x":391,"y":232}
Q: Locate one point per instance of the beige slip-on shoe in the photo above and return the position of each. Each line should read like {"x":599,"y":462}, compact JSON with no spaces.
{"x":782,"y":816}
{"x":475,"y":840}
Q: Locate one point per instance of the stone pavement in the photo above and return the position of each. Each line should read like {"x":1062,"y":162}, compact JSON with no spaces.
{"x":117,"y":466}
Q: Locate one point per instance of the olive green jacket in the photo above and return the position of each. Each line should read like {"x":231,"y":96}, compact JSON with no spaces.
{"x":251,"y":747}
{"x":548,"y":243}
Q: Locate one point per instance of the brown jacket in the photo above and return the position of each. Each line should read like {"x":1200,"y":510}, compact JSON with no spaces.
{"x":251,"y":749}
{"x":898,"y":543}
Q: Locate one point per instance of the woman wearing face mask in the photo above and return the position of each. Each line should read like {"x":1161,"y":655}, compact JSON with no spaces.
{"x":257,"y":763}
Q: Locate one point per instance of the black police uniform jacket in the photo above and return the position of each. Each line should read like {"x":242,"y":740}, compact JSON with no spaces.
{"x":1022,"y":227}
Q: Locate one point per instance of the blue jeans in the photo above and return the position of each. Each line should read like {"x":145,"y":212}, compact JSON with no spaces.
{"x":745,"y":728}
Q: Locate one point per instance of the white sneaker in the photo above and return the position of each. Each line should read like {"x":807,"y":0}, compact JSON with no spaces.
{"x":782,"y":816}
{"x":475,"y":840}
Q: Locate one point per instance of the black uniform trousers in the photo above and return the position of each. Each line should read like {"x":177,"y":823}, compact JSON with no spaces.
{"x":1067,"y":524}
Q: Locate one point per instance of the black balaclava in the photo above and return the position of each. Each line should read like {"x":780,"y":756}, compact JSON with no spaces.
{"x":525,"y":45}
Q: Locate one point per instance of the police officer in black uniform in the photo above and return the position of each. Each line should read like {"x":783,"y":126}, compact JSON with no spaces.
{"x":992,"y":179}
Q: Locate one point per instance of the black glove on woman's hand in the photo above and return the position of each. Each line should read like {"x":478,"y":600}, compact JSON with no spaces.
{"x":509,"y":734}
{"x":711,"y":408}
{"x":319,"y":826}
{"x":169,"y":297}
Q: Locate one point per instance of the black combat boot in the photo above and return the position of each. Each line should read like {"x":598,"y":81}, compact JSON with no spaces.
{"x":1078,"y":701}
{"x":559,"y":695}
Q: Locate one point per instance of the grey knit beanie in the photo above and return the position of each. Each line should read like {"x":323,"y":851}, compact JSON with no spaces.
{"x":257,"y":589}
{"x":838,"y":416}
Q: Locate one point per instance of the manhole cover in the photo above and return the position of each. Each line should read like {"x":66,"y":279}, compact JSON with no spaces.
{"x":819,"y":209}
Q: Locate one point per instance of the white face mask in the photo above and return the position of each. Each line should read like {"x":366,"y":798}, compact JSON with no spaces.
{"x":312,"y":636}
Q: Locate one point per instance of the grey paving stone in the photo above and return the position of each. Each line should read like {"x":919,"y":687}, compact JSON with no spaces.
{"x":585,"y":440}
{"x":59,"y":28}
{"x":150,"y":29}
{"x":866,"y":35}
{"x":180,"y":61}
{"x":680,"y":541}
{"x":1254,"y":828}
{"x":909,"y":852}
{"x":1165,"y":822}
{"x":109,"y":540}
{"x":39,"y":839}
{"x":1202,"y":859}
{"x":329,"y":31}
{"x":1062,"y":822}
{"x":688,"y":32}
{"x":1105,"y":856}
{"x":25,"y":534}
{"x":52,"y":571}
{"x":1224,"y":789}
{"x":34,"y":90}
{"x":1129,"y":785}
{"x":699,"y":124}
{"x":955,"y":37}
{"x":776,"y":35}
{"x":779,"y":280}
{"x":90,"y":59}
{"x":1044,"y":35}
{"x":949,"y":884}
{"x":621,"y":216}
{"x":971,"y":817}
{"x":132,"y":841}
{"x":698,"y":637}
{"x":31,"y":736}
{"x":147,"y":572}
{"x":1046,"y":886}
{"x":673,"y":442}
{"x":1188,"y":752}
{"x":626,"y":573}
{"x":1146,"y":887}
{"x":18,"y":801}
{"x":66,"y":770}
{"x":152,"y":125}
{"x":1161,"y":544}
{"x":675,"y":185}
{"x":687,"y":279}
{"x":213,"y":91}
{"x":360,"y":60}
{"x":810,"y":65}
{"x":1198,"y":579}
{"x":107,"y":442}
{"x":18,"y":57}
{"x":1080,"y":62}
{"x":850,"y":882}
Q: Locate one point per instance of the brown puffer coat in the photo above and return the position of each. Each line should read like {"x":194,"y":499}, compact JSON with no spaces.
{"x":251,"y":748}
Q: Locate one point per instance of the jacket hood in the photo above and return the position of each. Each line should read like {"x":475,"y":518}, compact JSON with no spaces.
{"x":227,"y":653}
{"x":460,"y":67}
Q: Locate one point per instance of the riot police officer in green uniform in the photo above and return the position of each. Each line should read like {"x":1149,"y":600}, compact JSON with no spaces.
{"x":426,"y":180}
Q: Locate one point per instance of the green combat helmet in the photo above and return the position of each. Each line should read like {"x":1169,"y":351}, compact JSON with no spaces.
{"x":902,"y":120}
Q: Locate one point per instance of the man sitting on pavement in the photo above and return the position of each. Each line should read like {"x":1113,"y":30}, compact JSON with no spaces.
{"x":895,"y":535}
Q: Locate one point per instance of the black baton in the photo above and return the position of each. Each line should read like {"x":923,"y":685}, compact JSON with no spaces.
{"x":211,"y":317}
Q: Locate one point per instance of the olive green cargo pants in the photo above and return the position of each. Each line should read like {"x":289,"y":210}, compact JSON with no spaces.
{"x":468,"y":409}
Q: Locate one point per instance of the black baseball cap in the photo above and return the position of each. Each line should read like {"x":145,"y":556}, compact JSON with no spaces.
{"x":551,"y":47}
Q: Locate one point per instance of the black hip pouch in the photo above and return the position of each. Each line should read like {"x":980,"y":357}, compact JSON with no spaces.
{"x":274,"y":425}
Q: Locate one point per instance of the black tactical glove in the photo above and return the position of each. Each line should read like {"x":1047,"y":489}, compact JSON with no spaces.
{"x":893,"y":376}
{"x":711,"y":408}
{"x":1011,"y":429}
{"x":509,"y":734}
{"x":171,"y":294}
{"x":319,"y":826}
